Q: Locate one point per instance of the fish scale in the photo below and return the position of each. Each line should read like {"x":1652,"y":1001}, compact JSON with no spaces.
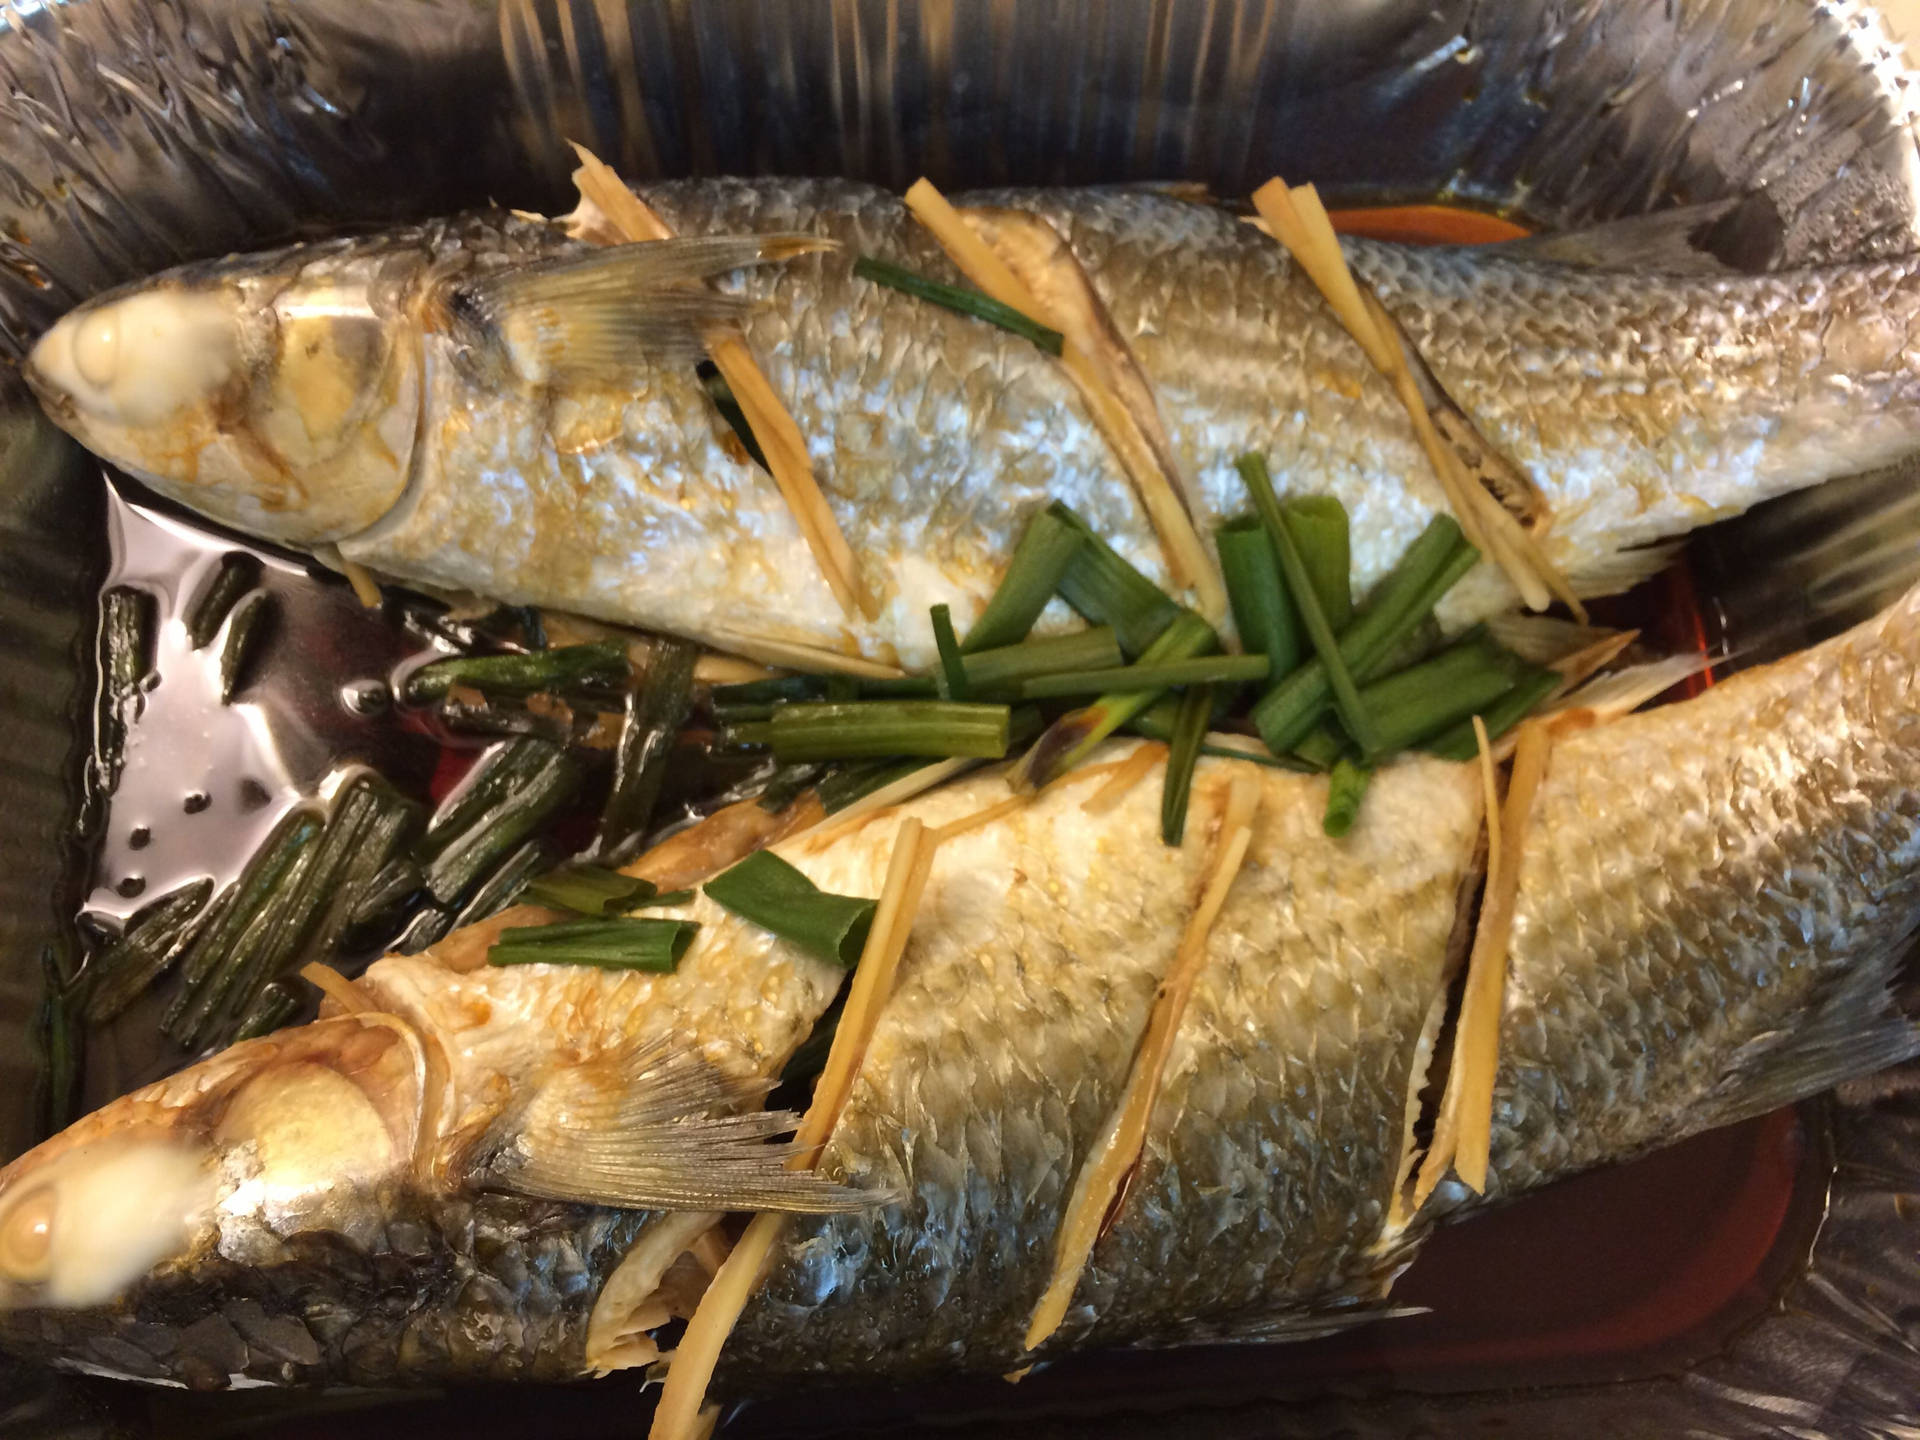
{"x":1776,"y":847}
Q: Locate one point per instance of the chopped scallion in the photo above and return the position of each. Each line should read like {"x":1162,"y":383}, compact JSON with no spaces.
{"x":1458,"y":742}
{"x":1346,"y":787}
{"x":1108,"y":591}
{"x":1421,"y":701}
{"x":1068,"y":740}
{"x":590,"y":890}
{"x":1398,"y":605}
{"x":1183,"y":752}
{"x":953,"y":674}
{"x":935,"y":729}
{"x":1300,"y":586}
{"x":1156,"y":676}
{"x":597,"y":668}
{"x":1261,"y":611}
{"x":1094,"y":648}
{"x":1040,"y":560}
{"x":965,"y":302}
{"x":1318,"y":524}
{"x":776,"y":896}
{"x":622,"y":944}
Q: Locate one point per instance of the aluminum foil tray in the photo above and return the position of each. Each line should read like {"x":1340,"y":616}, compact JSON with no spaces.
{"x":138,"y":133}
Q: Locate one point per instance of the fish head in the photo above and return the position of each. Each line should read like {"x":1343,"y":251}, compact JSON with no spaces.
{"x":279,"y":394}
{"x":157,"y":1210}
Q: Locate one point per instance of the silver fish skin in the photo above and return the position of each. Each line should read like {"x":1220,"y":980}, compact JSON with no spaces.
{"x":1639,"y":406}
{"x":1713,"y":899}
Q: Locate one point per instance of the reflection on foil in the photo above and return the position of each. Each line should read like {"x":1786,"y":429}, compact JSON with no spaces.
{"x":204,"y":782}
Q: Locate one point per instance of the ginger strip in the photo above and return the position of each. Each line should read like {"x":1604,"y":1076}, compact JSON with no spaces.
{"x":1295,"y":217}
{"x":682,"y":1411}
{"x":1463,"y":1134}
{"x":771,"y":422}
{"x":1187,"y":559}
{"x":793,"y":655}
{"x":1135,"y":768}
{"x":1116,"y":1152}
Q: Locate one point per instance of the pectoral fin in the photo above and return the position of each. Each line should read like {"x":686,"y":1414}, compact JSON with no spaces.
{"x":657,"y":1127}
{"x":606,"y":313}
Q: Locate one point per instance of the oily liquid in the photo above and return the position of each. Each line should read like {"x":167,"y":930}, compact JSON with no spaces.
{"x":203,"y":782}
{"x":1632,"y":1270}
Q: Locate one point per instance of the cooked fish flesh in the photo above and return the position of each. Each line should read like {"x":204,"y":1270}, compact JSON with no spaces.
{"x":485,"y":405}
{"x":1713,"y":898}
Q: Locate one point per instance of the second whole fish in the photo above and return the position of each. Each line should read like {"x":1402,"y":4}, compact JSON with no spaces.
{"x":485,"y":405}
{"x":515,"y":1172}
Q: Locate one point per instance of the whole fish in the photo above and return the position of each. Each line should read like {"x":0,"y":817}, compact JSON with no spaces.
{"x":485,"y":405}
{"x":497,"y":1172}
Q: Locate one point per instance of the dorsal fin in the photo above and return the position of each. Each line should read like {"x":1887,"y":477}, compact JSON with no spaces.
{"x":606,"y":313}
{"x":655,"y":1127}
{"x":1718,"y":237}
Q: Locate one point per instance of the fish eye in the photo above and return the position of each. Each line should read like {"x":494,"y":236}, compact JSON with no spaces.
{"x":96,"y":347}
{"x":26,"y":1235}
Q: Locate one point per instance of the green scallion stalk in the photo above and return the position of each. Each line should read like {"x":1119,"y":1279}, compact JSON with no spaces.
{"x":1346,"y":787}
{"x":599,"y":668}
{"x":849,"y":783}
{"x":1148,"y":675}
{"x":1322,"y":747}
{"x":154,"y":938}
{"x":626,"y":944}
{"x":273,"y":1007}
{"x":1067,"y":741}
{"x":248,"y":622}
{"x":524,"y":789}
{"x":774,"y":895}
{"x":238,"y":572}
{"x":124,"y":654}
{"x":658,"y":698}
{"x":953,"y":674}
{"x":216,"y":948}
{"x":1262,"y":613}
{"x":1458,"y":742}
{"x":1318,"y":524}
{"x":1421,"y":701}
{"x":867,"y":730}
{"x":1040,"y":560}
{"x":1108,"y":591}
{"x":1293,"y":565}
{"x":722,"y":396}
{"x":1157,"y":720}
{"x":589,"y":890}
{"x":503,"y":885}
{"x":962,"y":301}
{"x":1398,"y":605}
{"x":771,"y":691}
{"x":992,"y":671}
{"x":1183,"y":753}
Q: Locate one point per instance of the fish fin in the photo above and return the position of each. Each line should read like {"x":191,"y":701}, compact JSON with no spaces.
{"x":1856,"y":1029}
{"x":1719,"y":237}
{"x":604,"y":313}
{"x":1543,"y":639}
{"x":655,"y":1127}
{"x":1610,"y":696}
{"x":1620,"y":570}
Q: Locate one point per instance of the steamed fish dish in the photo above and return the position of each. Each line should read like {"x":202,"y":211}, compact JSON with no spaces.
{"x":1131,"y":1040}
{"x":330,"y":1203}
{"x":485,"y":405}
